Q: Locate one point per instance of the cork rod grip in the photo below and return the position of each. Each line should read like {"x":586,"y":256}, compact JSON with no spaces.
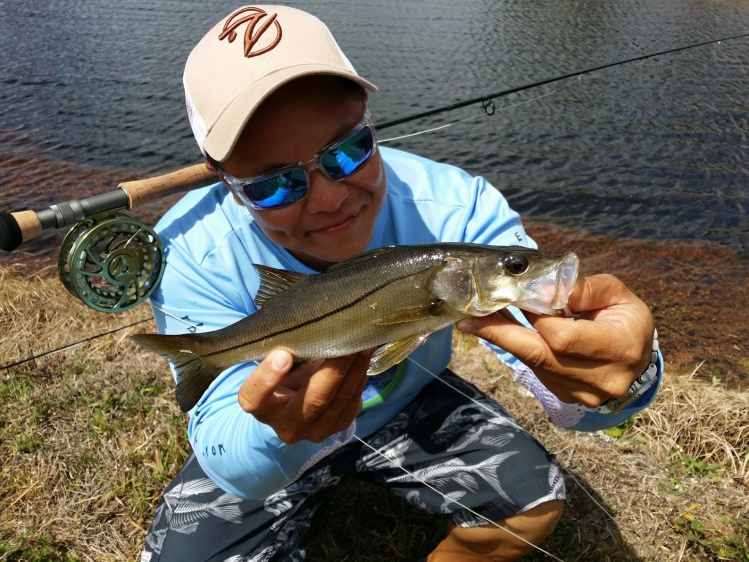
{"x":18,"y":227}
{"x":142,"y":191}
{"x":22,"y":226}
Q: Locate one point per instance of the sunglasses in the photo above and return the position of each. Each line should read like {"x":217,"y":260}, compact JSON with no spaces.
{"x":287,"y":185}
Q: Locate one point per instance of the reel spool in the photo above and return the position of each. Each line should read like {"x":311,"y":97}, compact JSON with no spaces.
{"x":111,"y":262}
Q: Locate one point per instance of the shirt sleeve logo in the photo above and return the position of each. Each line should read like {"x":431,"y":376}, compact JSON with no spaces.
{"x":258,"y":23}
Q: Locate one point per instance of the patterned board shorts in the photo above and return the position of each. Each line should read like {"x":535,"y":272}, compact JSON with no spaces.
{"x":463,"y":458}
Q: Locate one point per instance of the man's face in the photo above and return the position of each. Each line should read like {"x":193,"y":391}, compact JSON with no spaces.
{"x":337,"y":218}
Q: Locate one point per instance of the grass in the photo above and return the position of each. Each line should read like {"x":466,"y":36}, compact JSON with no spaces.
{"x":90,"y":436}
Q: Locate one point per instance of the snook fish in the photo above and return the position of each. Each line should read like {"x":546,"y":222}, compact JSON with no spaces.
{"x":393,"y":297}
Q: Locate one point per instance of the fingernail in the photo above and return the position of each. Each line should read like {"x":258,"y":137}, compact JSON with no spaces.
{"x":280,"y":360}
{"x":465,"y":326}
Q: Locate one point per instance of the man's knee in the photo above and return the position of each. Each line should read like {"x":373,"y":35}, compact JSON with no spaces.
{"x":510,"y":539}
{"x":534,"y":525}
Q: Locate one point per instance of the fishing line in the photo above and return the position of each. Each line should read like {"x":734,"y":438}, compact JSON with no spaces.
{"x":432,"y":130}
{"x":71,"y":345}
{"x":433,"y":488}
{"x":489,"y":109}
{"x":196,"y":327}
{"x":96,"y":336}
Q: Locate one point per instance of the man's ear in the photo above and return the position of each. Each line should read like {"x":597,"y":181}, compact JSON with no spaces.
{"x":209,"y":166}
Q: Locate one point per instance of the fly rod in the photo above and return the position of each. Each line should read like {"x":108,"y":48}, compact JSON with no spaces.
{"x":488,"y":97}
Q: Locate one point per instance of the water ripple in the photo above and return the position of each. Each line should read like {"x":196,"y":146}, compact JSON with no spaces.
{"x":653,"y":149}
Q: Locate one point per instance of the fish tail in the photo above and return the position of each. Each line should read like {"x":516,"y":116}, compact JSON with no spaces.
{"x":192,"y":373}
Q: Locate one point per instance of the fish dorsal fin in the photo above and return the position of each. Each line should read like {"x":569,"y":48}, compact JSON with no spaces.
{"x":274,"y":281}
{"x":366,"y":256}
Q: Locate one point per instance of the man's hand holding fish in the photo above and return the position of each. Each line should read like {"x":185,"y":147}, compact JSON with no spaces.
{"x":589,"y":359}
{"x":311,"y":402}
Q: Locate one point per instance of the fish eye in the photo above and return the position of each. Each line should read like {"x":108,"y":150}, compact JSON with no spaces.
{"x":516,"y":264}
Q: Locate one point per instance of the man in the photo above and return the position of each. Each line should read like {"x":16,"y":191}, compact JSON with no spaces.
{"x":281,"y":117}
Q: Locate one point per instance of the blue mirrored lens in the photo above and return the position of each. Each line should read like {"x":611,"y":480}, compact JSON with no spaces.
{"x":345,"y":158}
{"x":278,"y":190}
{"x":338,"y":162}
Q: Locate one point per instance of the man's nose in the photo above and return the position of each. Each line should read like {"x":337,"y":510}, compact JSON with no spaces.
{"x":325,"y":195}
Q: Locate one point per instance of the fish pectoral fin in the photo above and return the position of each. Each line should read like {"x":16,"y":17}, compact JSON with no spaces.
{"x":393,"y":353}
{"x":412,"y":313}
{"x":274,"y":281}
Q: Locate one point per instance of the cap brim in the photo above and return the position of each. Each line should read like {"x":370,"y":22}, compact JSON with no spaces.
{"x":228,"y":127}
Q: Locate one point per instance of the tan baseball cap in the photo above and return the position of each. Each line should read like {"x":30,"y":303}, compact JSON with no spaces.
{"x":245,"y":58}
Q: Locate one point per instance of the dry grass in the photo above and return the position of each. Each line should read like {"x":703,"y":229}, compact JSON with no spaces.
{"x":90,"y":436}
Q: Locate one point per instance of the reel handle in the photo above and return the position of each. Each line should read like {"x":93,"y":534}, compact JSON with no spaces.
{"x":21,"y":226}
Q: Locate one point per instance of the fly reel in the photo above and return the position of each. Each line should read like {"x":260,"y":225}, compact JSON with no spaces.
{"x":111,"y":262}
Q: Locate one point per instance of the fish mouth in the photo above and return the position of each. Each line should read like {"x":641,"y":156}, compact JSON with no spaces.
{"x":548,"y":293}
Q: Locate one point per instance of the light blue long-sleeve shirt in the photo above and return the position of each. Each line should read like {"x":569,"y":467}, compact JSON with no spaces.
{"x":209,"y":282}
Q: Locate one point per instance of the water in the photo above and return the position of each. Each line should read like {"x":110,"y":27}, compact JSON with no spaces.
{"x":652,"y":149}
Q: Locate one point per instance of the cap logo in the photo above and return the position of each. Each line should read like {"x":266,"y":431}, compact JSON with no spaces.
{"x":252,"y":17}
